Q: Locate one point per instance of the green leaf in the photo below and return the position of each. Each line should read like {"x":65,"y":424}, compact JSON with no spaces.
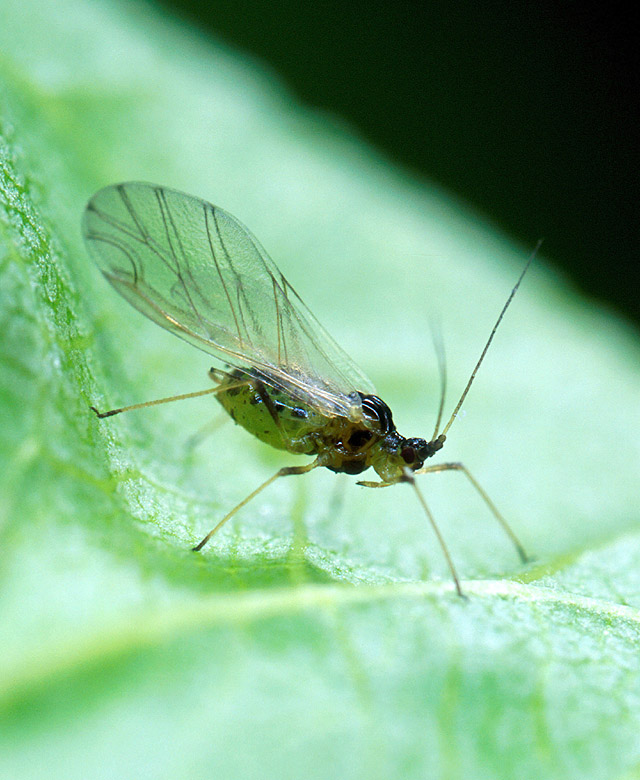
{"x":319,"y":634}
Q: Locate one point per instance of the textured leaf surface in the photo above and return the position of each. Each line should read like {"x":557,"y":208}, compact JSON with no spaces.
{"x":319,"y":636}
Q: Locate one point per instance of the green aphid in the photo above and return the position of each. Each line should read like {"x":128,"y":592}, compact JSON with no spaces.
{"x":198,"y":272}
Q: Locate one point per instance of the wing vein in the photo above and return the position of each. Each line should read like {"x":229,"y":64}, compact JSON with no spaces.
{"x":217,"y":265}
{"x":196,"y":271}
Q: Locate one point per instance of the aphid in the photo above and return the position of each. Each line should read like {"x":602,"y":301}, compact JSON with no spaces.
{"x":198,"y":272}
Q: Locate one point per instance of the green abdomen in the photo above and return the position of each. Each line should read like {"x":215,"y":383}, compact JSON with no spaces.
{"x":271,"y":414}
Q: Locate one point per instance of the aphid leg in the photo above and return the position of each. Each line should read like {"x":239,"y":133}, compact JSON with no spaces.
{"x":210,"y":427}
{"x":492,"y":507}
{"x":285,"y":472}
{"x":182,"y":397}
{"x":217,"y":374}
{"x":408,"y":477}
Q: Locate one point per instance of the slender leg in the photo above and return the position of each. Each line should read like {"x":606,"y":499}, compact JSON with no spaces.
{"x":369,"y":483}
{"x":285,"y":472}
{"x":409,"y":478}
{"x":182,"y":397}
{"x":206,"y":430}
{"x":492,"y":507}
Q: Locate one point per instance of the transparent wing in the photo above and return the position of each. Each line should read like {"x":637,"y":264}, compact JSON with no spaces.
{"x":198,"y":272}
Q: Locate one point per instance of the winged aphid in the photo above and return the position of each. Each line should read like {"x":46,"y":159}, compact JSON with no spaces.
{"x":196,"y":271}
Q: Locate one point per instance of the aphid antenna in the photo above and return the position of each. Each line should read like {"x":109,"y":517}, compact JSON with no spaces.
{"x":442,"y":436}
{"x":435,"y":326}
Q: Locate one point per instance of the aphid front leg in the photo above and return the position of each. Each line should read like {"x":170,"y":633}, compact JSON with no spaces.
{"x":372,"y":484}
{"x":408,"y":477}
{"x":284,"y":472}
{"x":492,"y":507}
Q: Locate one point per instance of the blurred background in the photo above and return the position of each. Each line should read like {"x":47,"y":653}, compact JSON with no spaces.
{"x":523,"y":109}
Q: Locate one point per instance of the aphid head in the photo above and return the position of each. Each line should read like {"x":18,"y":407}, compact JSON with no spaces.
{"x":396,"y":455}
{"x":415,"y":451}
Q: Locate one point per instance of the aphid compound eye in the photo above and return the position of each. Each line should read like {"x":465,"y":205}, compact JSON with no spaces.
{"x":414,"y":452}
{"x":408,"y":455}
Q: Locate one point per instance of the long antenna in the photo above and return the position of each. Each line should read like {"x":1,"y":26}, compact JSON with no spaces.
{"x":438,"y":346}
{"x":489,"y":340}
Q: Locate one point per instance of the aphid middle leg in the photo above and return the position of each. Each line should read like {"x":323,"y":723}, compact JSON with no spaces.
{"x":492,"y":507}
{"x":284,"y":472}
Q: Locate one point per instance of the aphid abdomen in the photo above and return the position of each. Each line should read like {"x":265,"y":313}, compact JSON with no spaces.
{"x":269,"y":414}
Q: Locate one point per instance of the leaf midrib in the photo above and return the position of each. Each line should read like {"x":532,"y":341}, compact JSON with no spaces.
{"x":184,"y":617}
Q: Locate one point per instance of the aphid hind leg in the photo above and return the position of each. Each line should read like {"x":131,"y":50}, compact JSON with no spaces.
{"x":217,"y":374}
{"x":284,"y":472}
{"x":181,"y":397}
{"x":485,"y":497}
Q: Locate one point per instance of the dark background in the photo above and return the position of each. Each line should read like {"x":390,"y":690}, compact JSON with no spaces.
{"x":526,"y":110}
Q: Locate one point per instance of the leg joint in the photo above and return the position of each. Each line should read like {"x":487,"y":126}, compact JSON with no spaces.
{"x":289,"y":470}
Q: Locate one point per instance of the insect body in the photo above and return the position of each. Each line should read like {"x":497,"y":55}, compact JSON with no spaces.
{"x":340,"y":443}
{"x":196,"y":271}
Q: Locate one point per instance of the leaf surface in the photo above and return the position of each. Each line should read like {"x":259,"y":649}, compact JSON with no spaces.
{"x":319,"y":635}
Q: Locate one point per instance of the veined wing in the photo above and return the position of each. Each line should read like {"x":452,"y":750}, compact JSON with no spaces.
{"x":198,"y":272}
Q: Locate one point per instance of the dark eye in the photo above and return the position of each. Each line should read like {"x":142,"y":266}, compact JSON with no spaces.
{"x":408,"y":454}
